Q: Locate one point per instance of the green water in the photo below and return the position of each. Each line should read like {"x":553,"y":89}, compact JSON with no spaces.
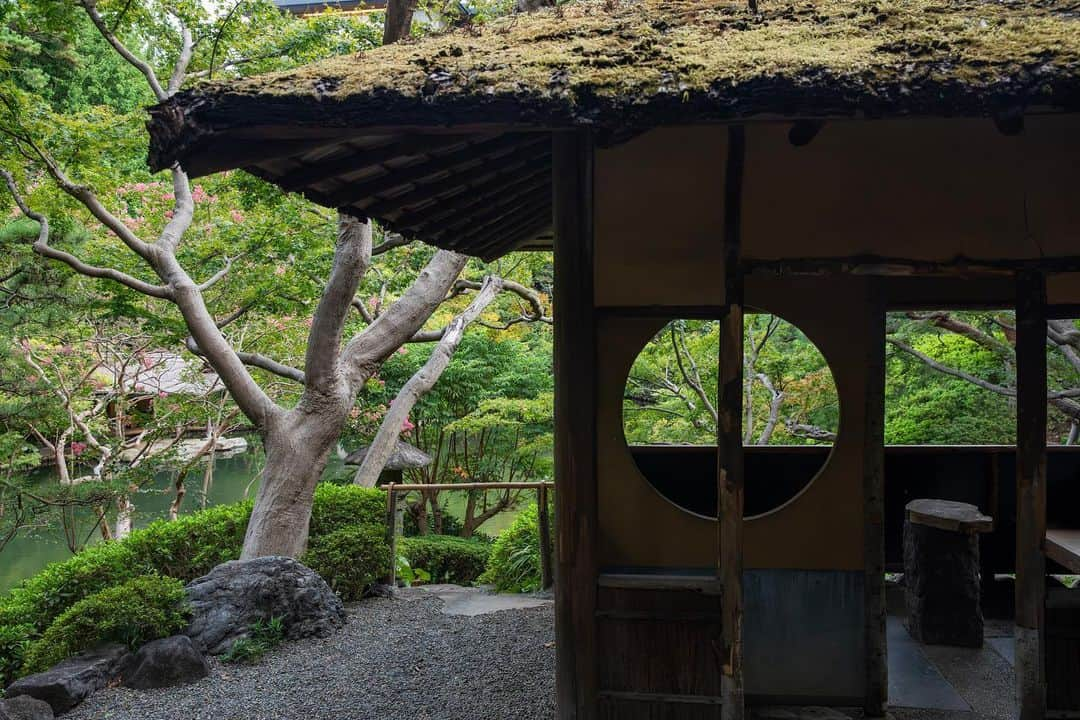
{"x":234,"y":479}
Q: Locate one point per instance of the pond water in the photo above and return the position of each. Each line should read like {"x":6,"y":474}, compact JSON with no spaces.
{"x":235,"y":477}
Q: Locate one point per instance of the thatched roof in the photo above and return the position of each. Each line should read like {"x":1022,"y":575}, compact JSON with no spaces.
{"x":405,"y":456}
{"x":617,"y":66}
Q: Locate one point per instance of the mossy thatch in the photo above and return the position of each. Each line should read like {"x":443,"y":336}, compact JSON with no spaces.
{"x":624,"y":65}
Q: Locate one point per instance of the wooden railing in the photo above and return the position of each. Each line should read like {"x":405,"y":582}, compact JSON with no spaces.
{"x":544,"y":518}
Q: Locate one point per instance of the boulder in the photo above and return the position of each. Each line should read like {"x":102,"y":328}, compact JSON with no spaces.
{"x":24,"y":707}
{"x":236,"y":594}
{"x":67,"y":684}
{"x":163,"y":663}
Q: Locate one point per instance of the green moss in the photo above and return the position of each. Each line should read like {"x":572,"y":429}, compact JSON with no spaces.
{"x":639,"y":49}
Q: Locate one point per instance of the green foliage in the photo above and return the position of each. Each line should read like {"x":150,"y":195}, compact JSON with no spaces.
{"x":447,"y":558}
{"x":408,"y":575}
{"x":14,"y":642}
{"x":134,"y":612}
{"x":184,"y":549}
{"x":514,"y":564}
{"x":262,"y":637}
{"x":338,"y":506}
{"x":350,"y":559}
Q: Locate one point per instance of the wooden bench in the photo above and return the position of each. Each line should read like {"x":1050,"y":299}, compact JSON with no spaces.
{"x":1063,"y":547}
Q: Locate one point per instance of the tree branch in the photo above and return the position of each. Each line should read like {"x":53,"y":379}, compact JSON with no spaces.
{"x":148,"y":72}
{"x":41,"y":246}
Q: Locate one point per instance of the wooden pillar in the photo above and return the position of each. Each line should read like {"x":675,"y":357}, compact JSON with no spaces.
{"x":730,"y":476}
{"x":575,"y":427}
{"x":1031,"y":493}
{"x":391,"y":532}
{"x":544,"y":523}
{"x":877,"y":673}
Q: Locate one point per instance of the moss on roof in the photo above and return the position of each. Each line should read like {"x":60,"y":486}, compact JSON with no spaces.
{"x":621,"y":65}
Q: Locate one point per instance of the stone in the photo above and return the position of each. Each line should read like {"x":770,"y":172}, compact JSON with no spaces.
{"x":942,"y":589}
{"x":70,"y":682}
{"x":237,"y":594}
{"x":164,"y":663}
{"x":24,"y":707}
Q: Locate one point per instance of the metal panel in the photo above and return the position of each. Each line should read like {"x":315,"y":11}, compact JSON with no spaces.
{"x":803,"y":635}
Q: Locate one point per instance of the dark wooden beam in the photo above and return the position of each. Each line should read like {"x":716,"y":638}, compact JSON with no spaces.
{"x":508,"y":218}
{"x":482,"y":197}
{"x":730,"y":477}
{"x":524,"y":161}
{"x":508,"y":234}
{"x":875,"y":701}
{"x":393,"y":178}
{"x":226,"y":154}
{"x":575,"y":429}
{"x":876,"y":265}
{"x":515,"y":238}
{"x":366,"y":157}
{"x":1031,"y":413}
{"x":507,"y":204}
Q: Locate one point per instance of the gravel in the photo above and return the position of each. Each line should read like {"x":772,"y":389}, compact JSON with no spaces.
{"x":394,"y":658}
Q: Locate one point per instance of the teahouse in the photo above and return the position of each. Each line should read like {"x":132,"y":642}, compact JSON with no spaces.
{"x":824,"y":160}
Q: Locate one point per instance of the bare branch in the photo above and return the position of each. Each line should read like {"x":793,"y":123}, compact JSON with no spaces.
{"x":179,"y":72}
{"x":951,"y":371}
{"x":41,"y":246}
{"x":217,"y":277}
{"x":142,"y":66}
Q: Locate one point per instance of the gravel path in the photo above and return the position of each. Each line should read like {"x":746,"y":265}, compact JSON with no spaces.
{"x":394,"y":659}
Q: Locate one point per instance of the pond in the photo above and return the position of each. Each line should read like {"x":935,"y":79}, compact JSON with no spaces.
{"x":235,"y":477}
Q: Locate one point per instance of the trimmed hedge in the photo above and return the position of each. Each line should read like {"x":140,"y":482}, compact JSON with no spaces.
{"x":133,"y":613}
{"x":350,"y":558}
{"x":184,"y":549}
{"x":447,"y":558}
{"x":514,"y":565}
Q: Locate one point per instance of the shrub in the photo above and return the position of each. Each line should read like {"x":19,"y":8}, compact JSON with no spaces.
{"x":263,"y":636}
{"x":185,"y":549}
{"x":350,"y":558}
{"x":514,"y":565}
{"x":447,"y":558}
{"x":133,"y":613}
{"x":451,"y":525}
{"x":339,"y":506}
{"x":14,"y":641}
{"x":192,"y":545}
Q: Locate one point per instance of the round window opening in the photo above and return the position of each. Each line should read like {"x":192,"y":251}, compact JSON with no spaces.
{"x":791,"y":413}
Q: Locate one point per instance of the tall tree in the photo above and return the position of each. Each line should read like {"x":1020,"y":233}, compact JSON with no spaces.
{"x":339,"y":359}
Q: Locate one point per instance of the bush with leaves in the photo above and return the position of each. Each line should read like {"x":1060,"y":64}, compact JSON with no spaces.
{"x":133,"y":613}
{"x":447,"y":558}
{"x":350,"y":559}
{"x":514,"y":565}
{"x":262,"y":637}
{"x":338,"y":506}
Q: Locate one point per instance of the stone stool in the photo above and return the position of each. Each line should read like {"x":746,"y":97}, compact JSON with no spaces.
{"x":941,"y":572}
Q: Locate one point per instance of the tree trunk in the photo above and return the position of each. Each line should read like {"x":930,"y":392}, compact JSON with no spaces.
{"x":297,"y":447}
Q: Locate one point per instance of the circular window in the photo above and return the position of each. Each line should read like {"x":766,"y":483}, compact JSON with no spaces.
{"x":791,"y":412}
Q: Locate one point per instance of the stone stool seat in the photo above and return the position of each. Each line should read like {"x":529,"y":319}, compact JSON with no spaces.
{"x":941,"y":571}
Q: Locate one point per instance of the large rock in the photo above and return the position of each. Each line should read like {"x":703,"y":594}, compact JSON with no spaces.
{"x":66,"y":685}
{"x":24,"y":707}
{"x":163,"y":663}
{"x":234,"y":595}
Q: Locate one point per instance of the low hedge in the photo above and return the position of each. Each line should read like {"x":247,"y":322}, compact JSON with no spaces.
{"x":184,"y":549}
{"x":514,"y":564}
{"x":133,"y":613}
{"x":447,"y":558}
{"x":350,"y":558}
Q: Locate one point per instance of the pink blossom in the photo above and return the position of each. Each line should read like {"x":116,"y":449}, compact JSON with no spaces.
{"x":406,"y":426}
{"x":237,"y":216}
{"x":403,"y":351}
{"x":309,"y":322}
{"x":32,"y":379}
{"x":168,"y":196}
{"x":199,"y":195}
{"x":169,"y":214}
{"x":67,"y":350}
{"x":139,"y":187}
{"x":354,"y":413}
{"x":279,"y":270}
{"x":146,"y":361}
{"x":162,"y":394}
{"x":78,"y":448}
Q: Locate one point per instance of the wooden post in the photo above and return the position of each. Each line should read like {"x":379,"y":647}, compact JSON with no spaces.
{"x":877,"y":673}
{"x":575,"y":427}
{"x":1031,"y":493}
{"x":546,"y":579}
{"x":730,"y":485}
{"x":391,"y":531}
